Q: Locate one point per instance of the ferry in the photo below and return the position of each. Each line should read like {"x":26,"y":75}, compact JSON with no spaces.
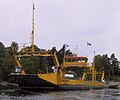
{"x":57,"y":76}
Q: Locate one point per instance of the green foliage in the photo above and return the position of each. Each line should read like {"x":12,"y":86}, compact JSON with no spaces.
{"x":63,"y":52}
{"x":6,"y":62}
{"x":33,"y":64}
{"x":114,"y":64}
{"x":14,"y":47}
{"x":109,"y":65}
{"x":30,"y":67}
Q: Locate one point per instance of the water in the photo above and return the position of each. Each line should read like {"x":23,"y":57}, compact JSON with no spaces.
{"x":103,"y":94}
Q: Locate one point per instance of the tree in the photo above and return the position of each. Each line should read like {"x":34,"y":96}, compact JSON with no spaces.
{"x":114,"y":63}
{"x":2,"y":56}
{"x":68,"y":52}
{"x":109,"y":65}
{"x":2,"y":50}
{"x":102,"y":64}
{"x":63,"y":52}
{"x":14,"y":47}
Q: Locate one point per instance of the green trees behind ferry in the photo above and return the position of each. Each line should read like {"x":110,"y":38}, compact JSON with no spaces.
{"x":110,"y":65}
{"x":6,"y":62}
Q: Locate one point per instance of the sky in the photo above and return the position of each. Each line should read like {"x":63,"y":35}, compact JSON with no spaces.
{"x":58,"y":22}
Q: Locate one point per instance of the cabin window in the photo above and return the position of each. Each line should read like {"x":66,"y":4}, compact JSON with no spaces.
{"x":79,"y":60}
{"x":83,"y":60}
{"x":18,"y":69}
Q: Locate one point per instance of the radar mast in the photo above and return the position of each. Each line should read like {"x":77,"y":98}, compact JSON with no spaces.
{"x":33,"y":29}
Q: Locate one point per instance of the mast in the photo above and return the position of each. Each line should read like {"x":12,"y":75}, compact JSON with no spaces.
{"x":93,"y":69}
{"x":33,"y":29}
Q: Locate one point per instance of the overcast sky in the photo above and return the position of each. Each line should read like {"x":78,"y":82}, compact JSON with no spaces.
{"x":58,"y":22}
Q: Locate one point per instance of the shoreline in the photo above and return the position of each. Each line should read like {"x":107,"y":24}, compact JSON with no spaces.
{"x":8,"y":85}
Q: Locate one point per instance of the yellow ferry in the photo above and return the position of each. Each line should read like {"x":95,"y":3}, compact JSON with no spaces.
{"x":59,"y":76}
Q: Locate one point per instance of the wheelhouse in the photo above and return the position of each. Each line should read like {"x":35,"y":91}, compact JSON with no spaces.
{"x":75,"y":61}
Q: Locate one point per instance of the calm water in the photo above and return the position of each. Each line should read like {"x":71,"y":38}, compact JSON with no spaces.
{"x":103,"y":94}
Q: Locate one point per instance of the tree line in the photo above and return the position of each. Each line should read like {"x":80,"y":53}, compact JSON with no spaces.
{"x":110,"y":65}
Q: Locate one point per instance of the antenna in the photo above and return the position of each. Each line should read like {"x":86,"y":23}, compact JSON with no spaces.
{"x":76,"y":50}
{"x":33,"y":28}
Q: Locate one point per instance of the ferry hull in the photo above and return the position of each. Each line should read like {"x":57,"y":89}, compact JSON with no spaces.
{"x":33,"y":82}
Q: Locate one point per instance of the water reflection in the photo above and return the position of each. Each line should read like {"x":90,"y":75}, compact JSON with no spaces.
{"x":103,"y":94}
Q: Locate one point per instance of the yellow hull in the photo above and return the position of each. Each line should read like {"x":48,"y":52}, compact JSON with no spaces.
{"x":78,"y":84}
{"x":72,"y":84}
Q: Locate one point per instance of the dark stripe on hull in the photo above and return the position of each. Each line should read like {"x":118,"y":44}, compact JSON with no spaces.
{"x":79,"y":87}
{"x":31,"y":81}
